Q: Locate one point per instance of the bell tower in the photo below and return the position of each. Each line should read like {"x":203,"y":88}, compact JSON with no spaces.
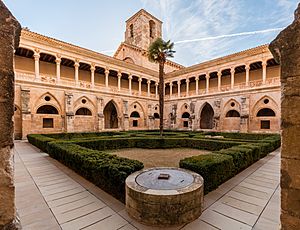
{"x":142,"y":29}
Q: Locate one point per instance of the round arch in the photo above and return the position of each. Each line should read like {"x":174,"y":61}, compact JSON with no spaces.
{"x":232,"y":113}
{"x":135,"y":114}
{"x":83,"y":111}
{"x":47,"y":109}
{"x":266,"y":112}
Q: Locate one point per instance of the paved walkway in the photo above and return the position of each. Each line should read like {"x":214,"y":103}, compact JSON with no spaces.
{"x":51,"y":196}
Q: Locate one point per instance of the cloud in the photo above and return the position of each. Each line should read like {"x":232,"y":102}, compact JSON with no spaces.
{"x":205,"y":29}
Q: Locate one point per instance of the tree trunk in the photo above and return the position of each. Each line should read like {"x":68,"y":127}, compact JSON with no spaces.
{"x":161,"y":97}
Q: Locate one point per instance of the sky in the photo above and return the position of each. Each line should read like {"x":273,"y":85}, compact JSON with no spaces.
{"x":197,"y":27}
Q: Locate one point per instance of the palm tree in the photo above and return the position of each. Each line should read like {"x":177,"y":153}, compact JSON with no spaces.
{"x":158,"y":52}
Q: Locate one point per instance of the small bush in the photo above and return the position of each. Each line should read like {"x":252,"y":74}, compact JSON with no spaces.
{"x":214,"y":168}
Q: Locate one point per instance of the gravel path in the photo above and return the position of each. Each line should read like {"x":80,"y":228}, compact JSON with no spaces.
{"x":159,"y":157}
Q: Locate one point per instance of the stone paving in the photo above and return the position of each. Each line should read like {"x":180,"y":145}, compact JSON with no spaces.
{"x":51,"y":196}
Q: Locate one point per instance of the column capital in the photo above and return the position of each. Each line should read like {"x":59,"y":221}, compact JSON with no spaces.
{"x":93,"y":67}
{"x":156,"y":83}
{"x":232,"y":70}
{"x":119,"y":74}
{"x":264,"y":62}
{"x":130,"y":77}
{"x":140,"y":79}
{"x":247,"y":66}
{"x":187,"y":80}
{"x":197,"y":78}
{"x":58,"y":60}
{"x":171,"y":83}
{"x":36,"y":56}
{"x":148,"y":81}
{"x":207,"y":76}
{"x":106,"y":71}
{"x":76,"y":64}
{"x":219,"y":73}
{"x":178,"y":82}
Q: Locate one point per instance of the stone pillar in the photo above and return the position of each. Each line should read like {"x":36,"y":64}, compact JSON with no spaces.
{"x":130,"y":82}
{"x":219,"y":80}
{"x":58,"y":61}
{"x":245,"y":111}
{"x":140,"y":86}
{"x":126,"y":116}
{"x":69,"y":113}
{"x":76,"y":66}
{"x":106,"y":77}
{"x":286,"y":50}
{"x":247,"y":68}
{"x":92,"y":75}
{"x":36,"y":57}
{"x":187,"y":87}
{"x":148,"y":88}
{"x":156,"y":89}
{"x":232,"y":71}
{"x":207,"y":83}
{"x":10,"y":31}
{"x":171,"y":89}
{"x":178,"y":89}
{"x":264,"y":71}
{"x":100,"y":114}
{"x":197,"y":85}
{"x":119,"y":80}
{"x":26,"y":113}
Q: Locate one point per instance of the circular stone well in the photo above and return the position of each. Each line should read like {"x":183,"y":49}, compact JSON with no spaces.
{"x":164,"y":196}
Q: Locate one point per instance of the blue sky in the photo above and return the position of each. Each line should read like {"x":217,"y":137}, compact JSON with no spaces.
{"x":100,"y":25}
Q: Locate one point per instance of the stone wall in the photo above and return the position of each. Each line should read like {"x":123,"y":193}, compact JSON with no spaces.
{"x":286,"y":49}
{"x":10,"y":31}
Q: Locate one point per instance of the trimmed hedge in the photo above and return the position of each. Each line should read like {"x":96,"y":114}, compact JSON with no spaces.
{"x":40,"y":141}
{"x":107,"y":171}
{"x":214,"y":168}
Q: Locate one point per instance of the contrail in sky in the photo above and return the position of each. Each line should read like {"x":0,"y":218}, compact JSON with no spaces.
{"x":229,"y":35}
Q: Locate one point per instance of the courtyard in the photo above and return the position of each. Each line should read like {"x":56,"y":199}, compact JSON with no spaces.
{"x":58,"y":198}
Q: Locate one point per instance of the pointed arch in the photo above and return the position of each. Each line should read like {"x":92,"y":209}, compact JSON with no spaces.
{"x":111,"y":118}
{"x":265,"y":102}
{"x":48,"y":99}
{"x":207,"y":116}
{"x":85,"y":102}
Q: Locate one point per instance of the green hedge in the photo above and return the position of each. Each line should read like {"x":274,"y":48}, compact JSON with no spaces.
{"x":107,"y":171}
{"x":157,"y":143}
{"x":39,"y":141}
{"x":214,"y":168}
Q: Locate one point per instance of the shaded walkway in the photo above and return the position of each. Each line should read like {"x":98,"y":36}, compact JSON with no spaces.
{"x":51,"y":196}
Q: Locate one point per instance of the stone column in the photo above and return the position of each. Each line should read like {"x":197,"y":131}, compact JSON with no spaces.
{"x":286,"y":50}
{"x":219,"y":80}
{"x":140,"y":86}
{"x":106,"y":77}
{"x":10,"y":31}
{"x":247,"y":68}
{"x":156,"y":89}
{"x":187,"y":87}
{"x":171,"y":89}
{"x":245,"y":111}
{"x":92,"y":75}
{"x":264,"y":71}
{"x":197,"y":85}
{"x":100,"y":113}
{"x":26,"y":113}
{"x":36,"y":56}
{"x":178,"y":89}
{"x":76,"y":65}
{"x":130,"y":82}
{"x":119,"y":80}
{"x":69,"y":112}
{"x":232,"y":71}
{"x":126,"y":116}
{"x":148,"y":88}
{"x":58,"y":61}
{"x":207,"y":83}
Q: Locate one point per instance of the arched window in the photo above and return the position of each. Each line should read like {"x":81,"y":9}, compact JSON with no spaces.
{"x":266,"y":112}
{"x":83,"y":112}
{"x":156,"y":116}
{"x":135,"y":114}
{"x":233,"y":113}
{"x":185,"y":115}
{"x":47,"y":109}
{"x":131,"y":30}
{"x":151,"y":29}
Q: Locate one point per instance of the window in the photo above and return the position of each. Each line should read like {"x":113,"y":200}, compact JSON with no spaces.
{"x":135,"y":114}
{"x":131,"y":30}
{"x":156,"y":116}
{"x":151,"y":29}
{"x":232,"y":113}
{"x":47,"y":109}
{"x":48,"y":123}
{"x":265,"y":124}
{"x":135,"y":123}
{"x":185,"y":115}
{"x":83,"y":112}
{"x":186,"y":124}
{"x":266,"y":112}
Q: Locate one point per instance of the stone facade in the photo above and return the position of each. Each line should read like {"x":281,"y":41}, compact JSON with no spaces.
{"x":9,"y":39}
{"x":61,"y":87}
{"x":286,"y":48}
